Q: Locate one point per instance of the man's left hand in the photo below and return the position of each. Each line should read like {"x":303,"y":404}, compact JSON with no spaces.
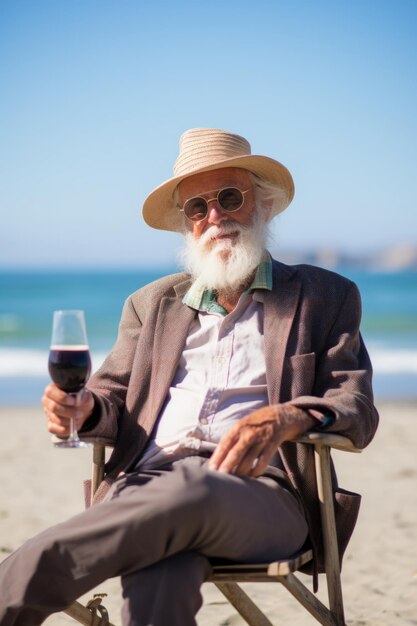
{"x":250,"y":444}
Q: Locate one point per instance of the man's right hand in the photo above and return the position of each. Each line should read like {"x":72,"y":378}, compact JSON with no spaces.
{"x":60,"y":406}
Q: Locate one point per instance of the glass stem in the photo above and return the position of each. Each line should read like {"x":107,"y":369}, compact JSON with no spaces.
{"x":73,"y":436}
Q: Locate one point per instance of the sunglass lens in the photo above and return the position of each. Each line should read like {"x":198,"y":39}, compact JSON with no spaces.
{"x":230,"y":199}
{"x":195,"y":209}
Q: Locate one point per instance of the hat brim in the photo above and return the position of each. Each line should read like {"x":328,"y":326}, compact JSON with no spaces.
{"x":159,"y":210}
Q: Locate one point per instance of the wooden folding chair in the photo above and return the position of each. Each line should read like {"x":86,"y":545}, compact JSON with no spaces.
{"x":226,"y":577}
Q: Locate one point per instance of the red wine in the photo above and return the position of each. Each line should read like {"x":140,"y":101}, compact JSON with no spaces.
{"x":69,"y":367}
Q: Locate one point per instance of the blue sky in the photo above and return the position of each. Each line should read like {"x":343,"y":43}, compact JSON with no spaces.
{"x":94,"y":96}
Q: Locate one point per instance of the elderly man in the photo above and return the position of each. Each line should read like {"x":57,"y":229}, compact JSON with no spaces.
{"x":215,"y":371}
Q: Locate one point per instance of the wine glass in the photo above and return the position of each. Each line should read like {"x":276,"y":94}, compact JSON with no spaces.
{"x":69,"y":362}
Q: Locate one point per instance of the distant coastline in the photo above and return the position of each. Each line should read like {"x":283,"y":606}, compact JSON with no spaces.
{"x":394,"y":259}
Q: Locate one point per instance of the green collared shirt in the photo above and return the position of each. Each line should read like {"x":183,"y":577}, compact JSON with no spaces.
{"x":205,"y":299}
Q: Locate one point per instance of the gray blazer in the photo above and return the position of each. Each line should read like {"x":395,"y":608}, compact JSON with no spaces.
{"x":315,"y":359}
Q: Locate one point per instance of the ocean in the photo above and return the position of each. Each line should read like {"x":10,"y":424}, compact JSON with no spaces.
{"x":28,"y":299}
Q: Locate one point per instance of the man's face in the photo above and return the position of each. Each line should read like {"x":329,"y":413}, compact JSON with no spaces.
{"x":206,"y":185}
{"x":223,"y":250}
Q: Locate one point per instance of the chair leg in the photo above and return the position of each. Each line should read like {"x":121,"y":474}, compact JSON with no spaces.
{"x":331,"y":552}
{"x":243,"y":604}
{"x":309,"y":601}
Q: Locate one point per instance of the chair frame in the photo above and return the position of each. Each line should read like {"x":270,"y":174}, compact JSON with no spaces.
{"x":227,"y":577}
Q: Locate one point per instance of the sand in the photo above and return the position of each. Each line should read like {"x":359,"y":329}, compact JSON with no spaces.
{"x":43,"y":485}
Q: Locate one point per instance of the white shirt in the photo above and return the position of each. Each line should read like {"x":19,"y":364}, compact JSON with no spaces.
{"x":220,"y":378}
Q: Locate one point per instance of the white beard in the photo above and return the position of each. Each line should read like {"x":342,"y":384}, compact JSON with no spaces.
{"x":225,"y":265}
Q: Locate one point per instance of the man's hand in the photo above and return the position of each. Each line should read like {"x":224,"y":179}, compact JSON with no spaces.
{"x":59,"y":407}
{"x":250,"y":444}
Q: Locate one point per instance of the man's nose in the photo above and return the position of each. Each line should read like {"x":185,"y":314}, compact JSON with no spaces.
{"x":215,"y":213}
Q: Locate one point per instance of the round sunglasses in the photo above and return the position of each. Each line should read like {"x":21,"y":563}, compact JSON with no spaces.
{"x":229,"y":199}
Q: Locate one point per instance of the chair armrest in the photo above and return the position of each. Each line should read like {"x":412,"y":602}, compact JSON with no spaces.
{"x":332,"y":440}
{"x":105,"y":442}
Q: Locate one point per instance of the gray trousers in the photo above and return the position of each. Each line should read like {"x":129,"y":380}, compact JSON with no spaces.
{"x":157,"y":531}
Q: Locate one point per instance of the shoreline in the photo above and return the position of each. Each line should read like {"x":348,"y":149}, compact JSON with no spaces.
{"x":43,"y":486}
{"x":24,"y":375}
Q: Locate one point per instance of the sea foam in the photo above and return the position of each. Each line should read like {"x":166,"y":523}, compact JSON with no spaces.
{"x":25,"y":362}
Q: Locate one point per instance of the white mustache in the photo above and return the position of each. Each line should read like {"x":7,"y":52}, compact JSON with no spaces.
{"x":214,"y":231}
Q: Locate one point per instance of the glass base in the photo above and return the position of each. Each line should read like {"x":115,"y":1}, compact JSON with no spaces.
{"x":71,"y":443}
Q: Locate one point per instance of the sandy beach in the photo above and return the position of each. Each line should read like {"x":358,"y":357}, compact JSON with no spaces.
{"x":43,"y":485}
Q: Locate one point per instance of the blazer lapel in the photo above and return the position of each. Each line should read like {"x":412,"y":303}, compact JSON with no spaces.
{"x":174,"y":319}
{"x":280,"y":306}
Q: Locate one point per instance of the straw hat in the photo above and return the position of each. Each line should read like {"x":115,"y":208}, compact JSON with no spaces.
{"x":205,"y":149}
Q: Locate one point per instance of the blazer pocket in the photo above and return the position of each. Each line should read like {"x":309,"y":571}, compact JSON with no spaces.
{"x":300,"y":372}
